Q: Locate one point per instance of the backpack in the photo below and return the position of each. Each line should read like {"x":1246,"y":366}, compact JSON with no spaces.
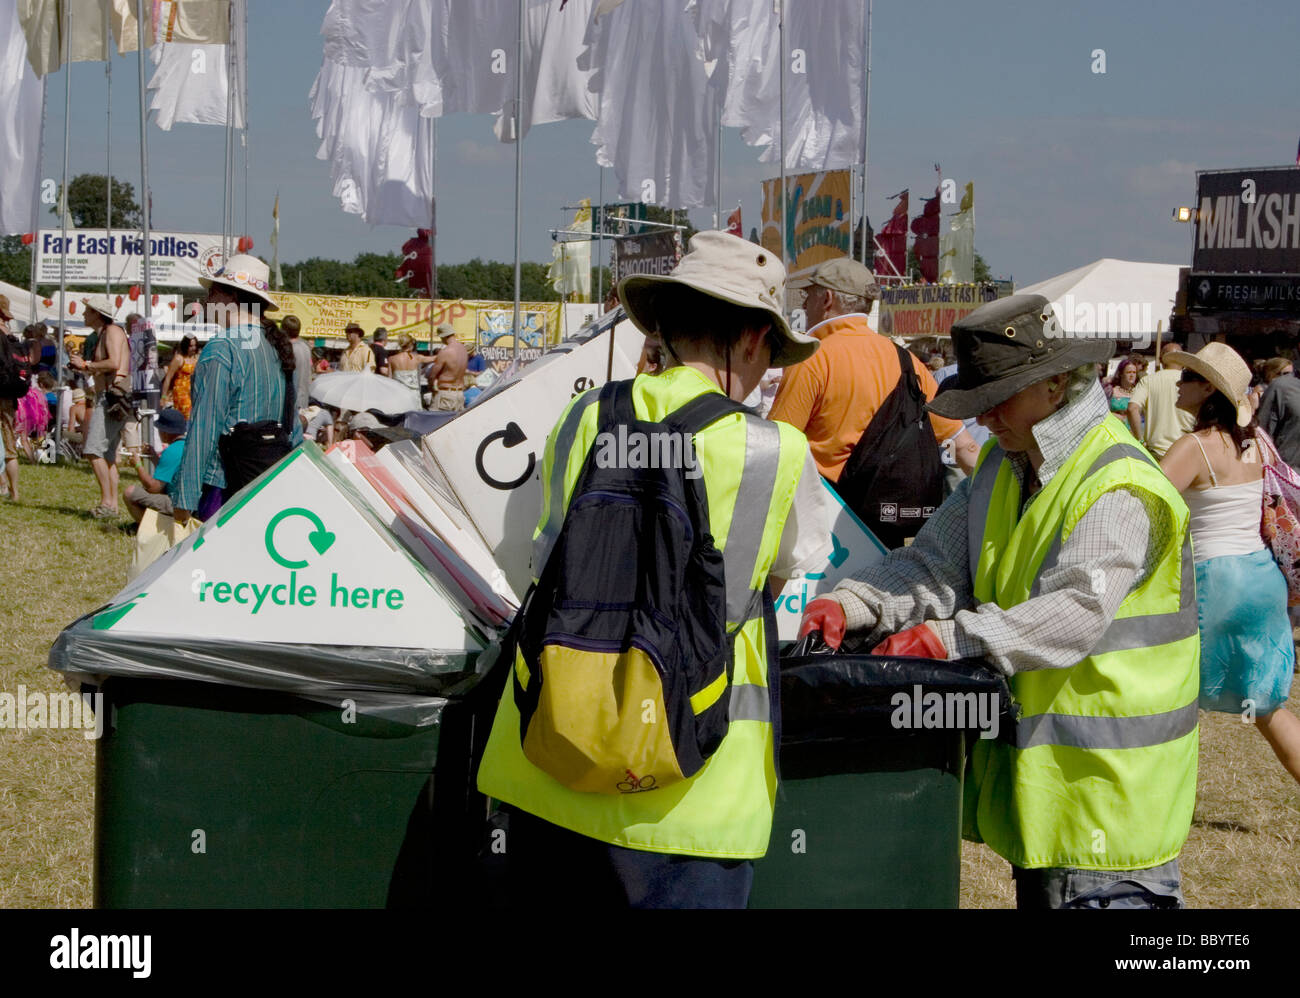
{"x":15,"y":368}
{"x":626,"y":657}
{"x":893,"y":479}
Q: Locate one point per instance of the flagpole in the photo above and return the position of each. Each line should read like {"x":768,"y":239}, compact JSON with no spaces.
{"x":600,"y":246}
{"x":63,"y":222}
{"x":519,"y":169}
{"x":433,"y":231}
{"x":147,"y":427}
{"x":227,"y":180}
{"x":108,"y":157}
{"x":244,"y":119}
{"x":781,"y":32}
{"x":36,"y":199}
{"x":717,"y":215}
{"x":866,"y":121}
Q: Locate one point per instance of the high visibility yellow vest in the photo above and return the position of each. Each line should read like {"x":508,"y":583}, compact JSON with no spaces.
{"x":1102,"y":772}
{"x":750,"y":469}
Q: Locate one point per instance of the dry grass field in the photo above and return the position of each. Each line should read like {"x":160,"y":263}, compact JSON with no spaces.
{"x":56,"y":563}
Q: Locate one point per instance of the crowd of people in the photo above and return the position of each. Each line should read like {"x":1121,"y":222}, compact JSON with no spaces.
{"x":1093,"y":534}
{"x":118,"y":406}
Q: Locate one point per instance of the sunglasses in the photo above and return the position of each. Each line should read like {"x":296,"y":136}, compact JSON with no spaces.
{"x":1190,"y":378}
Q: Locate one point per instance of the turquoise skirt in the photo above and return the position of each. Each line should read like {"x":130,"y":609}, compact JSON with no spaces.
{"x":1247,"y":657}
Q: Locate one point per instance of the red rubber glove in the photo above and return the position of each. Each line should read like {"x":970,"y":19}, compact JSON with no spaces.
{"x":915,"y":642}
{"x":827,"y":616}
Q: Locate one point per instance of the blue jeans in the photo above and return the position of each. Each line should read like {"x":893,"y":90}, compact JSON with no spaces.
{"x":552,"y":867}
{"x":1157,"y":887}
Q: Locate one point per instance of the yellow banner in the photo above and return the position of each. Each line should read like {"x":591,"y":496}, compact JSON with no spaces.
{"x":484,"y":322}
{"x":817,"y":218}
{"x":929,"y":309}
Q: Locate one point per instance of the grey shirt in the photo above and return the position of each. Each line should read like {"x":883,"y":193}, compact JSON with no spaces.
{"x":1279,"y":416}
{"x":302,"y":372}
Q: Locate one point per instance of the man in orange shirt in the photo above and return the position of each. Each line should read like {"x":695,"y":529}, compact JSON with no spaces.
{"x":833,"y":395}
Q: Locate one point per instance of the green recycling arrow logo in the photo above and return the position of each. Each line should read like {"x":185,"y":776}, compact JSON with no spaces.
{"x":320,"y":538}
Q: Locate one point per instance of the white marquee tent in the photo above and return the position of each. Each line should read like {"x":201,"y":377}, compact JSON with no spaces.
{"x":1117,"y":299}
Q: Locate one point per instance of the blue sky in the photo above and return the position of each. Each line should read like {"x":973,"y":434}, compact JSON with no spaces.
{"x":1069,"y":165}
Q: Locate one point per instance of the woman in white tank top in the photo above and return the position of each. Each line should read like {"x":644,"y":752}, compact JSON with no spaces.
{"x":1247,"y":656}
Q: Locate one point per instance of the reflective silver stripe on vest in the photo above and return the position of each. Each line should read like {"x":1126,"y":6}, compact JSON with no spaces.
{"x":750,"y":703}
{"x":749,"y":517}
{"x":555,"y":487}
{"x":1105,"y":732}
{"x":978,"y":502}
{"x":1152,"y":629}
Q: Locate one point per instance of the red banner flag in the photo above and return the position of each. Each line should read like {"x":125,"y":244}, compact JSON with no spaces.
{"x":733,"y":223}
{"x":891,"y":240}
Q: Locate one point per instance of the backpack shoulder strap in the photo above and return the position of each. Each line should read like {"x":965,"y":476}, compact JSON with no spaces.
{"x":703,"y":411}
{"x":907,"y":374}
{"x":615,"y":403}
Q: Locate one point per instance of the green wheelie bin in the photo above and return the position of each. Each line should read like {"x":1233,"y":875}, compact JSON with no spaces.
{"x":872,"y":756}
{"x":213,"y":794}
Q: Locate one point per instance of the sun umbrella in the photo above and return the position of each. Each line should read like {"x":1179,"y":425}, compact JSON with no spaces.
{"x":361,"y":390}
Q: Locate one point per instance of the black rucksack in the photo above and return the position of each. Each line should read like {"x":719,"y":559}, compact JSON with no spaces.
{"x":15,"y":368}
{"x":893,"y":480}
{"x":624,"y":685}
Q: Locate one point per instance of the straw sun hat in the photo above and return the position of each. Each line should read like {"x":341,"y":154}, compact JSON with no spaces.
{"x":245,"y":273}
{"x":1223,"y":368}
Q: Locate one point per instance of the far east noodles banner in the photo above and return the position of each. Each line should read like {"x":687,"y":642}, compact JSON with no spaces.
{"x":929,"y":309}
{"x":817,"y":218}
{"x":486,"y":323}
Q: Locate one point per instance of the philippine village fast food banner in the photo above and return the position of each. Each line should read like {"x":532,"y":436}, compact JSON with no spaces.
{"x":817,"y":218}
{"x":929,"y":309}
{"x":484,"y":322}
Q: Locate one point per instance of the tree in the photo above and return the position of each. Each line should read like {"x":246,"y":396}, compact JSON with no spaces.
{"x":87,"y":194}
{"x":653,"y":213}
{"x":982,"y":272}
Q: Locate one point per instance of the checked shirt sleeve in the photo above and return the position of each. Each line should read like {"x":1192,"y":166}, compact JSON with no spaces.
{"x":930,"y":580}
{"x":1110,"y":551}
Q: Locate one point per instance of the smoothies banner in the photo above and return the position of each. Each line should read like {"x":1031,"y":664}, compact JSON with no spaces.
{"x":817,"y":218}
{"x":929,"y":309}
{"x":485,"y":322}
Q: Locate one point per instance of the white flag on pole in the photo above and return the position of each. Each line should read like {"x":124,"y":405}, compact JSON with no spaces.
{"x":824,"y":45}
{"x":44,"y":26}
{"x":20,"y":127}
{"x":957,"y":245}
{"x":189,"y":84}
{"x":570,"y":271}
{"x":370,"y":102}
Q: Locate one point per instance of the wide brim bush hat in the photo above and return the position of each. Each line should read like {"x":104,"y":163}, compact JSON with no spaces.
{"x":101,"y":304}
{"x":1223,"y":368}
{"x":446,"y":331}
{"x":245,"y":273}
{"x":727,"y":268}
{"x":1004,"y":347}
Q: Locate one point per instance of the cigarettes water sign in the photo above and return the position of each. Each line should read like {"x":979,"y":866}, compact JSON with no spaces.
{"x":1248,"y":221}
{"x":94,"y":256}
